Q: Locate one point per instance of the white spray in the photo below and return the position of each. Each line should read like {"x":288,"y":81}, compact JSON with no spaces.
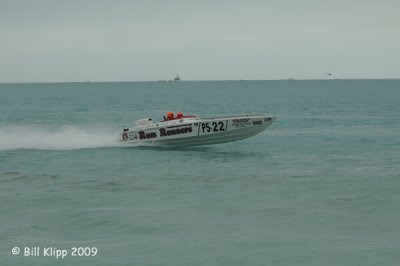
{"x":64,"y":138}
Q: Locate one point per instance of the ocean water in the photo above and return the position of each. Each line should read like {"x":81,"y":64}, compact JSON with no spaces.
{"x":321,"y":186}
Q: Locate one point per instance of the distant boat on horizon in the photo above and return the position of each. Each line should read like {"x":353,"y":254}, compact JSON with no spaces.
{"x":177,"y":78}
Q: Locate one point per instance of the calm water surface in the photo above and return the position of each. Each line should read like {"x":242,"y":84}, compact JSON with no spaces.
{"x":321,"y":186}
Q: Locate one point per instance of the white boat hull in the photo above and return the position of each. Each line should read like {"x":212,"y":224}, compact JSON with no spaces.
{"x":197,"y":131}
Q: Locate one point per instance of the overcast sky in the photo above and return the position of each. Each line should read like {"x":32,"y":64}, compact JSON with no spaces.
{"x":199,"y":40}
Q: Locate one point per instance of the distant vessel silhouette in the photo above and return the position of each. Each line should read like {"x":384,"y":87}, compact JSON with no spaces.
{"x":177,"y":78}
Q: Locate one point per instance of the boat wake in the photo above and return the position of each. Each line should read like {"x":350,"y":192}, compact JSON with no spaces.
{"x":63,"y":138}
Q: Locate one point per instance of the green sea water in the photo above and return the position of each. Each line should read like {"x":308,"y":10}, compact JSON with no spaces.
{"x":321,"y":186}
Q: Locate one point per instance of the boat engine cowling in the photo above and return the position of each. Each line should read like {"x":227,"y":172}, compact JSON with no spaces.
{"x":144,"y":122}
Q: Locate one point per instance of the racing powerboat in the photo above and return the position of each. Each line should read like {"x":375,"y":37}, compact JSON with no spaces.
{"x":192,"y":130}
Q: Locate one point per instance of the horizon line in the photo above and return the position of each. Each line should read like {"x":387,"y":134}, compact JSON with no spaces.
{"x":211,"y":80}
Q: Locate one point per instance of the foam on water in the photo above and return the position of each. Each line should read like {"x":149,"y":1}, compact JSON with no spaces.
{"x":66,"y":137}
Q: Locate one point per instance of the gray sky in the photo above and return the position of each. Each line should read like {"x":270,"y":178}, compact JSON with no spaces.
{"x":199,"y":40}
